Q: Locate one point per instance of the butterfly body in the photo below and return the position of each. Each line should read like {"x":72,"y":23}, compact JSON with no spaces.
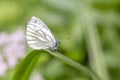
{"x":39,"y":36}
{"x":55,"y":46}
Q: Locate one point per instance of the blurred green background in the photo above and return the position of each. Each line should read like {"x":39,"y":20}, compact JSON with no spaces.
{"x":89,"y":31}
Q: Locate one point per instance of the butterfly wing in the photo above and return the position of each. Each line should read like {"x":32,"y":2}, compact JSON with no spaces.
{"x":38,"y":34}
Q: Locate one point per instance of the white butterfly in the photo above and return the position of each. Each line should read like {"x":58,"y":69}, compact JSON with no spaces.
{"x":39,"y":36}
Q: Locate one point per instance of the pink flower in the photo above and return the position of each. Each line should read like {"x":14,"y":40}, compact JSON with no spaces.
{"x":13,"y":48}
{"x":3,"y":39}
{"x":17,"y":37}
{"x":3,"y":66}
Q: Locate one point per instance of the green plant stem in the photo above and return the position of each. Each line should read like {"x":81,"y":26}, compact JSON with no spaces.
{"x":74,"y":64}
{"x":95,"y":52}
{"x":26,"y":66}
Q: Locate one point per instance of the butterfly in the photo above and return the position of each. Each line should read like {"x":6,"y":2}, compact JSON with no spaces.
{"x":39,"y":36}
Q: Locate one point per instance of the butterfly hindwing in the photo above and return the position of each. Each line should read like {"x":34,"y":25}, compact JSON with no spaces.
{"x":38,"y":34}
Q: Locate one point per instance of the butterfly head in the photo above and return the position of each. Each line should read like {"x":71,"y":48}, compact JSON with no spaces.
{"x":58,"y":42}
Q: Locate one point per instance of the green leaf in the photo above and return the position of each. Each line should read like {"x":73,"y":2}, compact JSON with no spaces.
{"x":26,"y":66}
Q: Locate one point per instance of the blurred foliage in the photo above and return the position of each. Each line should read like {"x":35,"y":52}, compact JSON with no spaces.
{"x":66,"y":20}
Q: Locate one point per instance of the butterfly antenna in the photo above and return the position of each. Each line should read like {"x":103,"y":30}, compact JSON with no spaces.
{"x":67,"y":36}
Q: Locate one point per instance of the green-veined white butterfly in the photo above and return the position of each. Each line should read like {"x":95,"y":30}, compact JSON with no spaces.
{"x":39,"y":36}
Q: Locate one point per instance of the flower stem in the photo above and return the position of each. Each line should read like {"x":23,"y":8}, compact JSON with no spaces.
{"x":75,"y":64}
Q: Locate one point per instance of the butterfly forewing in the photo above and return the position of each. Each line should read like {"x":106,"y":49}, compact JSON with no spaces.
{"x":38,"y":34}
